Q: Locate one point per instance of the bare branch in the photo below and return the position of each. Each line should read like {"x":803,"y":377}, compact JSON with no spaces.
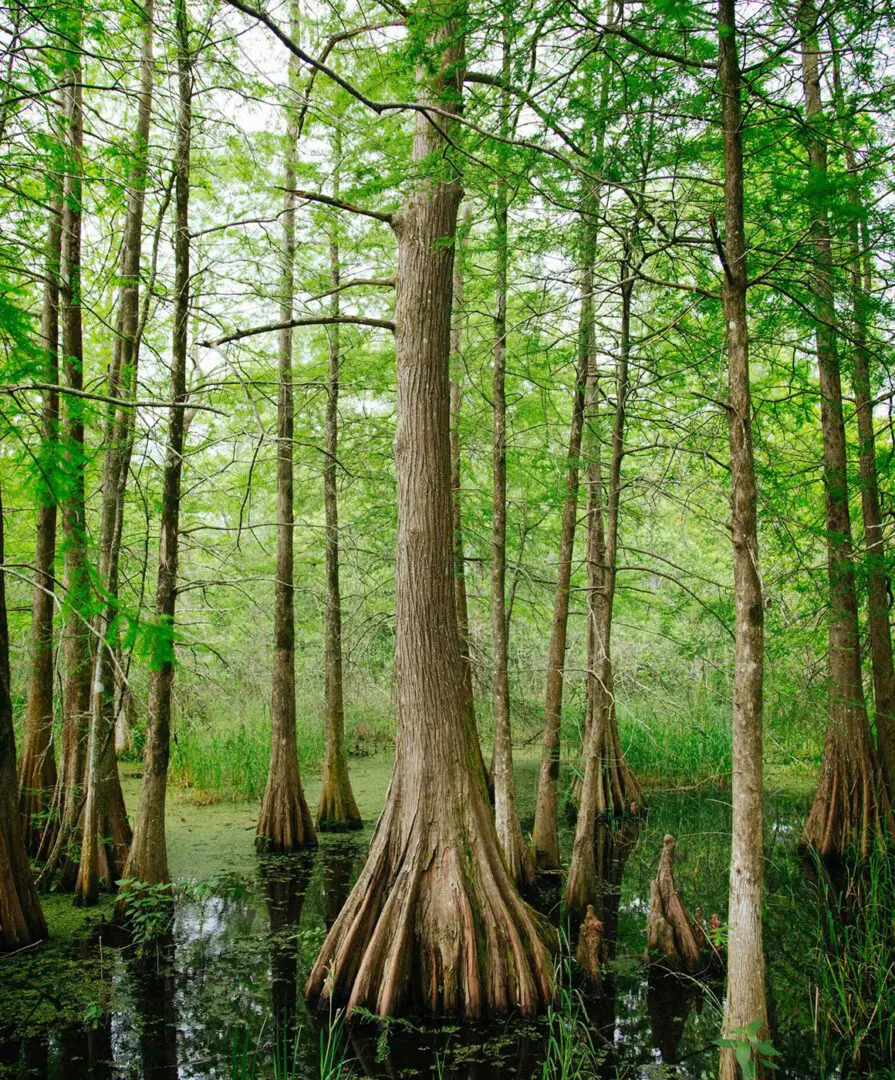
{"x":317,"y":320}
{"x":340,"y":204}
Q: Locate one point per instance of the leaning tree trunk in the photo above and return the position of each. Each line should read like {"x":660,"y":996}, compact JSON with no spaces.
{"x":434,"y":920}
{"x":105,"y":832}
{"x":506,"y":814}
{"x":545,"y":835}
{"x":609,"y":788}
{"x":21,"y":918}
{"x":337,"y":810}
{"x":37,"y":764}
{"x":745,"y":1002}
{"x":148,"y":857}
{"x":851,"y":806}
{"x":57,"y":842}
{"x":285,"y":823}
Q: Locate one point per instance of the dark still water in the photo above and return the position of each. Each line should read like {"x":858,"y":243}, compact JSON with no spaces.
{"x":223,"y":997}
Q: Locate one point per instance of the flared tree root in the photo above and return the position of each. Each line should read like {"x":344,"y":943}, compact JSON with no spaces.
{"x":852,"y":810}
{"x":337,"y":811}
{"x":284,"y":823}
{"x":434,"y":924}
{"x":672,"y":935}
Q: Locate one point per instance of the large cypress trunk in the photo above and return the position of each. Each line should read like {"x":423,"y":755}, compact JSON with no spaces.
{"x":337,"y":810}
{"x":434,"y":920}
{"x":106,"y":833}
{"x":148,"y":857}
{"x":284,"y":823}
{"x":609,"y":788}
{"x":37,"y":765}
{"x":851,"y":806}
{"x":745,"y":1002}
{"x":21,"y":917}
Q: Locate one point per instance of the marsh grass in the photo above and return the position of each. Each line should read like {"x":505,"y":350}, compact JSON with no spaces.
{"x":854,"y":984}
{"x":228,"y":759}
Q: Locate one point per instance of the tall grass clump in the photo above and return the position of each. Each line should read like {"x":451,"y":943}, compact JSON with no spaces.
{"x":676,"y":742}
{"x":854,"y":985}
{"x":227,"y":757}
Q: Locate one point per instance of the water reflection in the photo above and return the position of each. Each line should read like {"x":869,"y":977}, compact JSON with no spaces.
{"x":242,"y":944}
{"x":285,"y":881}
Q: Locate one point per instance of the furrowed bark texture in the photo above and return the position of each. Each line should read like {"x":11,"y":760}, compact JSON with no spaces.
{"x":21,"y":917}
{"x":851,"y":806}
{"x":434,"y":920}
{"x":285,"y":822}
{"x":609,"y":788}
{"x":148,"y":857}
{"x":337,"y":810}
{"x":746,"y":1001}
{"x":106,"y":832}
{"x":545,"y":834}
{"x":37,"y":765}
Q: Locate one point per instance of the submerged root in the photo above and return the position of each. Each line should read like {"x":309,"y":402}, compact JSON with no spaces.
{"x":670,"y":931}
{"x":434,"y":922}
{"x":852,"y":810}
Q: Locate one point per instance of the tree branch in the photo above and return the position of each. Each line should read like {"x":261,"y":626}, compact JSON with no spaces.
{"x":340,"y":204}
{"x":316,"y":320}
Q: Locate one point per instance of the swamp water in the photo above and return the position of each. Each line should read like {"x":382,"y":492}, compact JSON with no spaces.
{"x":215,"y":1000}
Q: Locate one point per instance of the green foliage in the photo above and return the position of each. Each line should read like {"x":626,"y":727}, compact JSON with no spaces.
{"x":149,"y":908}
{"x":854,"y":967}
{"x":752,"y":1049}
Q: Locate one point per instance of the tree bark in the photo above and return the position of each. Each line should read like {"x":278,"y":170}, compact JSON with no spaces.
{"x":851,"y":806}
{"x":57,"y":839}
{"x":506,"y":815}
{"x":878,"y":627}
{"x":745,"y":1002}
{"x":37,"y":765}
{"x":285,"y":823}
{"x":609,"y":787}
{"x":148,"y":857}
{"x":21,"y":918}
{"x":545,"y":835}
{"x":337,"y":810}
{"x":106,"y":833}
{"x":434,"y":920}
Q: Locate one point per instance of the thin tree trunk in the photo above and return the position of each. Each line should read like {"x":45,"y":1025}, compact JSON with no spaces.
{"x":21,"y":917}
{"x":460,"y":600}
{"x":285,"y":823}
{"x":609,"y":787}
{"x":57,"y":840}
{"x":545,"y":835}
{"x":37,"y":765}
{"x":878,"y":627}
{"x":745,"y":1001}
{"x":506,"y":814}
{"x":851,"y":807}
{"x":337,"y":810}
{"x":148,"y":857}
{"x":106,"y":833}
{"x":434,"y":920}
